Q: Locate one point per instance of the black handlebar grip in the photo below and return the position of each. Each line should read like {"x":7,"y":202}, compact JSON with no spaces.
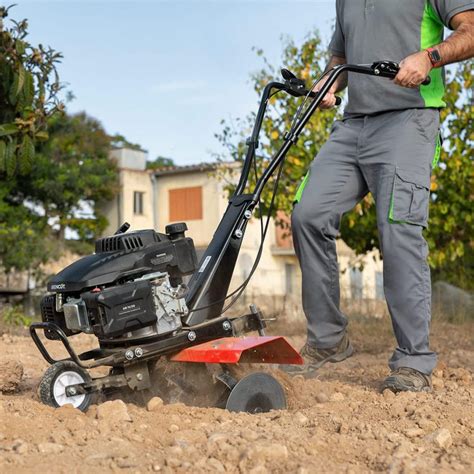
{"x":427,"y":81}
{"x":338,"y":100}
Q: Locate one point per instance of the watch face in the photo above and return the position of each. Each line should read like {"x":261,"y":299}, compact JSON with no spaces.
{"x":435,"y":55}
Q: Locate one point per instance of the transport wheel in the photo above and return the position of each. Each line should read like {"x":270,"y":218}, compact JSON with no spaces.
{"x":52,"y":388}
{"x":257,"y":393}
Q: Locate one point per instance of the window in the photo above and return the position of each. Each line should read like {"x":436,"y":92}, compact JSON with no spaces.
{"x":138,"y":202}
{"x":356,"y":283}
{"x":185,"y":204}
{"x":379,"y":286}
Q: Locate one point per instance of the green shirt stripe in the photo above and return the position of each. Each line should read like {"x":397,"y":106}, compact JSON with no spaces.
{"x":431,"y":35}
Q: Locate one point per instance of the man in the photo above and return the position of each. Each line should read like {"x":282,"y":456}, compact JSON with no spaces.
{"x":386,"y":144}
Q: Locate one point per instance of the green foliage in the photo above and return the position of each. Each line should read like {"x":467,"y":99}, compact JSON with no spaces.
{"x":80,"y":247}
{"x":24,"y":235}
{"x":119,"y":141}
{"x":14,"y":316}
{"x":73,"y":171}
{"x":29,"y":85}
{"x":160,"y":162}
{"x":307,"y":62}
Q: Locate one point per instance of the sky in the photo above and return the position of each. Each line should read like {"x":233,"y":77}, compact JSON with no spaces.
{"x":164,"y":73}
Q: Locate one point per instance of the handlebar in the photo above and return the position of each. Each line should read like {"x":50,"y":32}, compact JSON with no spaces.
{"x":389,"y":69}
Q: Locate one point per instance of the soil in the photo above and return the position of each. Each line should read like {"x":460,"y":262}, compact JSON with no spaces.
{"x":337,"y":422}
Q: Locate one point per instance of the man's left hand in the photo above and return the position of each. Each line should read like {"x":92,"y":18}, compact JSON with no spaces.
{"x":414,"y":69}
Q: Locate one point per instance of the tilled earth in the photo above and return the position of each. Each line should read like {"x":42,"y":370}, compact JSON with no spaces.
{"x":338,"y":422}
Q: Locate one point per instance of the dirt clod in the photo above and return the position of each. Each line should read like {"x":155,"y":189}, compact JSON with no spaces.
{"x":413,"y":432}
{"x":20,"y":446}
{"x":337,"y":397}
{"x":11,"y":374}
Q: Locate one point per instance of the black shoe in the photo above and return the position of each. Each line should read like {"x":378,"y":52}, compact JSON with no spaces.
{"x":406,"y":379}
{"x":315,"y":358}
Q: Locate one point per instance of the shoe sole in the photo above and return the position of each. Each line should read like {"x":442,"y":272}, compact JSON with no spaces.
{"x":310,"y":371}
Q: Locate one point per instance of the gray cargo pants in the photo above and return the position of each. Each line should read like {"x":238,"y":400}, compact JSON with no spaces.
{"x":391,"y":156}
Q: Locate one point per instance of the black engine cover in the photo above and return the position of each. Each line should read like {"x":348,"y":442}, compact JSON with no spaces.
{"x":124,"y":256}
{"x":120,"y":309}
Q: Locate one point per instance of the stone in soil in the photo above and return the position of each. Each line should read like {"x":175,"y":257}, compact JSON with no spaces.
{"x":321,"y":397}
{"x":154,"y":404}
{"x":114,"y":411}
{"x":300,"y":418}
{"x":441,"y":438}
{"x":50,"y":448}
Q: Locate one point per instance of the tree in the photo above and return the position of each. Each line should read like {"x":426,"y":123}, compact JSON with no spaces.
{"x":450,"y":232}
{"x":160,"y":162}
{"x":24,"y":236}
{"x":72,"y":173}
{"x":119,"y":141}
{"x":25,"y":241}
{"x":29,"y":85}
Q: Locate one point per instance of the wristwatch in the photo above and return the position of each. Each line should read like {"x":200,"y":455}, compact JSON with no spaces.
{"x":434,"y":56}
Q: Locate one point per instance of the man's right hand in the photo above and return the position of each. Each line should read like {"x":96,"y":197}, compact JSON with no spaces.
{"x":329,"y":100}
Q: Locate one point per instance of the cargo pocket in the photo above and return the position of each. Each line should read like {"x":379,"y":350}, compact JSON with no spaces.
{"x":410,"y":198}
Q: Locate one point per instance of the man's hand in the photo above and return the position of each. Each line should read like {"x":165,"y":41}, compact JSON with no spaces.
{"x":414,"y":69}
{"x":329,"y":100}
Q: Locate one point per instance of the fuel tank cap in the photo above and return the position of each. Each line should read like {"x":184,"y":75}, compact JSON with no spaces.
{"x":176,"y":230}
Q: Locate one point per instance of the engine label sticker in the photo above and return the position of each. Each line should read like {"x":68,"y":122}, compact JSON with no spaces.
{"x":204,"y":264}
{"x":161,"y":258}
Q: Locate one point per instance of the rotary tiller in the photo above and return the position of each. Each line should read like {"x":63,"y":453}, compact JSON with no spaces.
{"x":131,"y":295}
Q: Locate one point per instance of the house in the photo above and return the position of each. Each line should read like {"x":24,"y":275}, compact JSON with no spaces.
{"x":196,"y":195}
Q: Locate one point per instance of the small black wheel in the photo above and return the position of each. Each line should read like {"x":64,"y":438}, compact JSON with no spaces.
{"x":52,"y":388}
{"x":257,"y":393}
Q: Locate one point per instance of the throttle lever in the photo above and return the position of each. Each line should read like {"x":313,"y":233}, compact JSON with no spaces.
{"x":298,"y":86}
{"x":287,"y":74}
{"x":291,"y":79}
